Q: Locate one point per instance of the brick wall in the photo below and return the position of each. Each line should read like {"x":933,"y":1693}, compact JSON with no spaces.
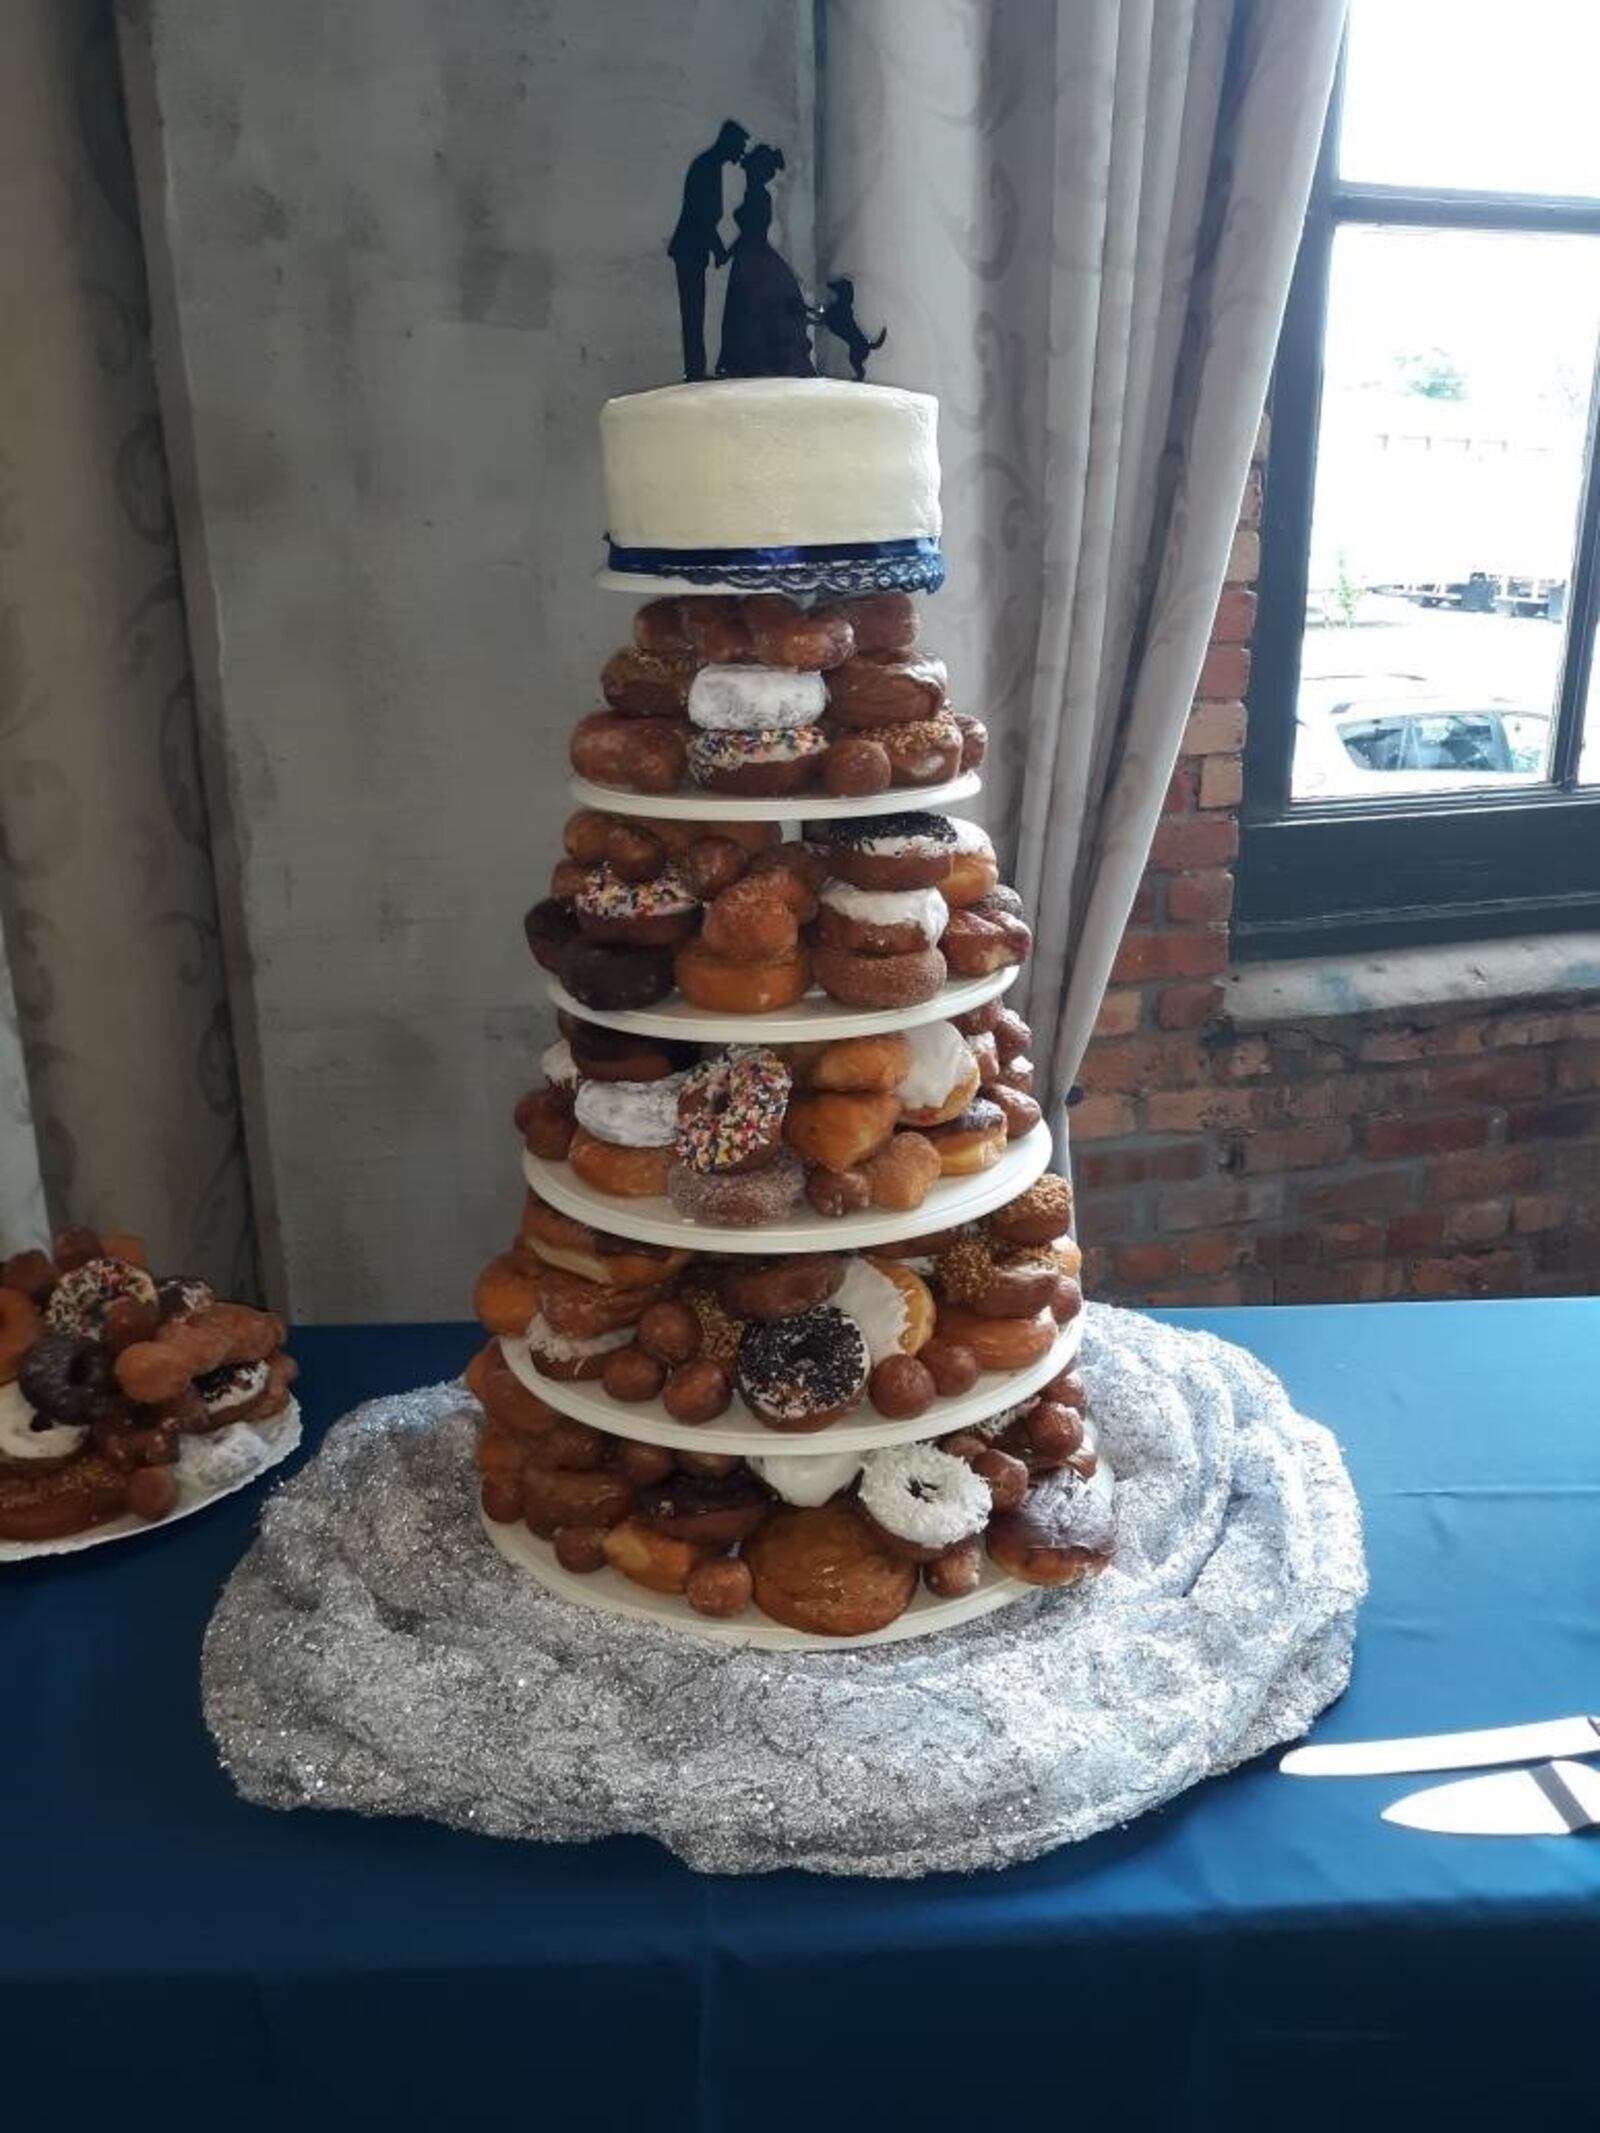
{"x":1439,"y":1152}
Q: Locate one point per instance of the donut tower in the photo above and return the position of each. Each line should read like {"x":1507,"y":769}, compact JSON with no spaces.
{"x":784,"y":1352}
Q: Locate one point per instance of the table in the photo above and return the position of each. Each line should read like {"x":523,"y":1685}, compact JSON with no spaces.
{"x":1264,"y":1950}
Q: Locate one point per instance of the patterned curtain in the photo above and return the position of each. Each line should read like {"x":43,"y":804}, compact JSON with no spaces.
{"x":1079,"y":218}
{"x":118,"y":1100}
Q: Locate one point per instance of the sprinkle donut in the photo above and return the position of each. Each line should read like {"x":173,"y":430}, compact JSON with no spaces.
{"x":730,"y":1110}
{"x":638,"y":914}
{"x":777,"y":760}
{"x":80,"y":1300}
{"x":803,"y":1373}
{"x":923,"y":1501}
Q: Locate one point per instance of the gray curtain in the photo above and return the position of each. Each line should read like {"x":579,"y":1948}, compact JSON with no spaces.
{"x":118,"y":1104}
{"x":1079,"y":218}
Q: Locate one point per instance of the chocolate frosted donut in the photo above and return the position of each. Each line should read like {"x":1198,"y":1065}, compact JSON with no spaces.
{"x":616,"y":978}
{"x":1061,"y":1533}
{"x":602,"y":1054}
{"x":804,"y":1372}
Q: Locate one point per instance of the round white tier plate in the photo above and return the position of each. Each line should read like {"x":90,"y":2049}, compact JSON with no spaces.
{"x":815,"y":1019}
{"x":279,"y":1436}
{"x":657,"y":1221}
{"x":587,"y":1400}
{"x":716,"y":807}
{"x":613,"y":1594}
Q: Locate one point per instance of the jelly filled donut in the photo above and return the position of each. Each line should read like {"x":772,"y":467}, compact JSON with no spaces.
{"x":723,"y":987}
{"x":730,"y":1110}
{"x":922,"y":1501}
{"x":802,"y":1373}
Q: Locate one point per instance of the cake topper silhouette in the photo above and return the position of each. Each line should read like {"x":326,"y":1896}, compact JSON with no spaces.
{"x":766,"y":317}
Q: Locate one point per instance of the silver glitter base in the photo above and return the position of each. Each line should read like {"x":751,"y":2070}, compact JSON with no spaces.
{"x":372,"y":1652}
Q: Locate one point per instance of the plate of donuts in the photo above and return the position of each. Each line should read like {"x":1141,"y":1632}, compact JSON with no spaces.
{"x":656,"y":1221}
{"x":613,"y":1594}
{"x":208,"y":1468}
{"x":814,"y":1017}
{"x":703,"y":806}
{"x":647,"y":1421}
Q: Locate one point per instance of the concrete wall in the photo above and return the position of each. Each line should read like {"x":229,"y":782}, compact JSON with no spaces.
{"x":401,"y":251}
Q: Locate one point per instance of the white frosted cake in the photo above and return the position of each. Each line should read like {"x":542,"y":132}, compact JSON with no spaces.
{"x":787,"y":484}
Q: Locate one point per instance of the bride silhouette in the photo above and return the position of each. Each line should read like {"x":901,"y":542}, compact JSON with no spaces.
{"x":765,"y":322}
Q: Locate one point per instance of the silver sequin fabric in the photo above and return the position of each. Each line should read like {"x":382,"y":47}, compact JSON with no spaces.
{"x":373,"y":1653}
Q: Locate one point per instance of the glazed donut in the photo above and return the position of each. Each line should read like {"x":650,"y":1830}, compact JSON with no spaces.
{"x":878,"y":980}
{"x":716,"y":629}
{"x":953,"y":1368}
{"x":85,"y":1492}
{"x":1037,"y":1216}
{"x":720,"y":1588}
{"x":838,"y":1192}
{"x":797,"y":871}
{"x":839,"y":1131}
{"x":561,"y":1241}
{"x":971,"y":1141}
{"x":551,"y":932}
{"x":1012,"y":1037}
{"x":991,"y":1282}
{"x":567,"y":1358}
{"x":580,"y":1309}
{"x":730,"y":1111}
{"x":941,"y":1076}
{"x":638,"y":914}
{"x":80,"y":1299}
{"x":1020,"y":1111}
{"x":737,"y":699}
{"x":602,"y":1054}
{"x":855,"y":766}
{"x":635,"y":854}
{"x":877,"y":692}
{"x":751,"y":921}
{"x":707,"y":1514}
{"x":975,"y":944}
{"x":629,"y":1173}
{"x":781,"y":1288}
{"x":505,"y":1400}
{"x":901,"y":1175}
{"x":506,"y":1294}
{"x":953,"y":1575}
{"x":822,"y":1569}
{"x":697,"y":1392}
{"x":926,"y":752}
{"x":974,"y":870}
{"x":737,"y":1199}
{"x":653,"y":1560}
{"x":20,"y":1327}
{"x":799,"y":1374}
{"x":921,"y":1501}
{"x":556,"y":1496}
{"x":760,"y":765}
{"x":1062,"y":1532}
{"x":647,"y":684}
{"x":629,"y":1374}
{"x":634,"y":754}
{"x":901,"y":1388}
{"x":861,"y":1065}
{"x":659,"y":627}
{"x":611,"y":979}
{"x":713,"y":864}
{"x":906,"y":851}
{"x":787,"y":636}
{"x":711,"y":982}
{"x":880,"y":622}
{"x":892,"y":1306}
{"x":998,"y":1343}
{"x":33,"y":1273}
{"x":544,"y":1119}
{"x":630,"y":1114}
{"x":880,"y":921}
{"x":974,"y":739}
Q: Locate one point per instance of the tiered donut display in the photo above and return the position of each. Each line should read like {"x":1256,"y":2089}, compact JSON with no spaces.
{"x":784,"y":1349}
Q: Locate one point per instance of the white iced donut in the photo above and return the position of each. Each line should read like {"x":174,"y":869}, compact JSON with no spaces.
{"x":925,"y":909}
{"x":631,"y":1114}
{"x":755,"y":699}
{"x":877,"y":1304}
{"x":25,"y":1436}
{"x":941,"y":1063}
{"x":557,"y":1065}
{"x":808,"y":1481}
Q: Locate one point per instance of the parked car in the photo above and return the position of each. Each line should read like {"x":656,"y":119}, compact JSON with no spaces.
{"x":1393,"y":746}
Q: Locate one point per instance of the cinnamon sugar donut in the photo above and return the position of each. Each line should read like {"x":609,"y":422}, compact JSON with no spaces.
{"x":751,"y":921}
{"x":878,"y":980}
{"x":738,"y":1199}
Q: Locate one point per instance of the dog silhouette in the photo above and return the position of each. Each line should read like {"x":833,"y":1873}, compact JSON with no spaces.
{"x":838,"y":314}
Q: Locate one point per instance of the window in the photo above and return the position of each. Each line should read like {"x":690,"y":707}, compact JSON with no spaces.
{"x":1423,"y":754}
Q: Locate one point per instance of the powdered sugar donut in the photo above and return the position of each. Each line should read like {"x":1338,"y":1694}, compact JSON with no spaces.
{"x":922,"y":1500}
{"x":755,"y":699}
{"x":631,"y":1114}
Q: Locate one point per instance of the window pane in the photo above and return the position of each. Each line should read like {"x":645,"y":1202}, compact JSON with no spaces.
{"x":1456,"y":377}
{"x":1473,"y":94}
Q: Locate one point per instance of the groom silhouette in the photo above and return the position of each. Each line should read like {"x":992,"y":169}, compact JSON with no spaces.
{"x":697,"y":241}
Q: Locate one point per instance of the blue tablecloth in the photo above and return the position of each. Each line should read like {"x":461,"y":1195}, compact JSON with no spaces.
{"x":1264,"y":1951}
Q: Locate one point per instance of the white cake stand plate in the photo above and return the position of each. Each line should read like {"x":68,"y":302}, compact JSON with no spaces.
{"x":616,"y":1595}
{"x":714,"y":807}
{"x":815,"y":1019}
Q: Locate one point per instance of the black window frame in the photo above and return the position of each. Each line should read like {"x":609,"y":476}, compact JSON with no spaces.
{"x":1327,"y":877}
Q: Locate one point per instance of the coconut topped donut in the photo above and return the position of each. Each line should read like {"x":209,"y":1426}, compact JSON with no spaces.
{"x":631,"y":1114}
{"x":923,"y":1499}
